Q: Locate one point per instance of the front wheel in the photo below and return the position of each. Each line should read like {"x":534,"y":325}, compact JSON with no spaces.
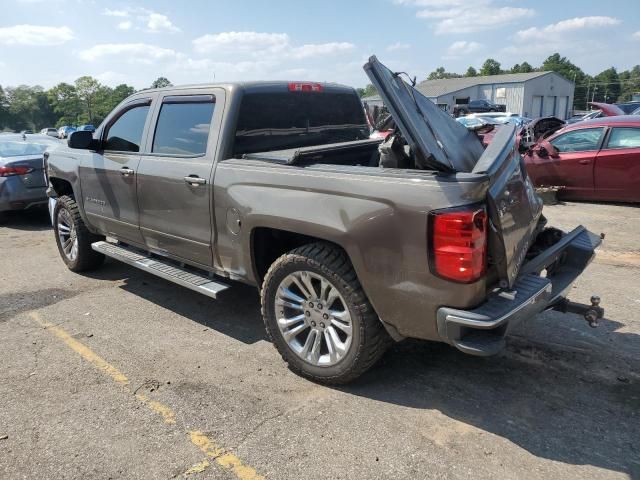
{"x":319,"y":318}
{"x":73,"y":239}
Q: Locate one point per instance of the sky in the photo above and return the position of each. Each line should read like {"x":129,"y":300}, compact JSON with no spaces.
{"x":44,"y":42}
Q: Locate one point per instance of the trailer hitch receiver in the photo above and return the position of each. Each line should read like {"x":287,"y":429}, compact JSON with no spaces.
{"x":591,"y":313}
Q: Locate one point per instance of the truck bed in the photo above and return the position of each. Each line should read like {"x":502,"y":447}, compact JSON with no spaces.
{"x":359,"y":152}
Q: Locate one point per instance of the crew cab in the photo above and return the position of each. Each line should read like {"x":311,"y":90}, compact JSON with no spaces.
{"x":353,"y":242}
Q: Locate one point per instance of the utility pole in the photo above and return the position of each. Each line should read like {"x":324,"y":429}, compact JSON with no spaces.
{"x":586,"y":97}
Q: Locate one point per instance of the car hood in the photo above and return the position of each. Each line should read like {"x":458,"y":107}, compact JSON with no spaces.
{"x":608,"y":109}
{"x":443,"y":143}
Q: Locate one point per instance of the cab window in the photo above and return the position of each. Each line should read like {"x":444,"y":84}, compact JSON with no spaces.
{"x":183,"y":125}
{"x":125,"y":134}
{"x":582,"y":140}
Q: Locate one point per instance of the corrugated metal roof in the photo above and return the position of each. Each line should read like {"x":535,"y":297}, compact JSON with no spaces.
{"x":436,"y":88}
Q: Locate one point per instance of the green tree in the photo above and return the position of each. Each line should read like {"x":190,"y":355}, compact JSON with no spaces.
{"x":367,"y":91}
{"x":120,"y":92}
{"x":471,"y":72}
{"x":525,"y":68}
{"x":161,"y":82}
{"x":23,"y":107}
{"x":439,"y":73}
{"x":608,"y":84}
{"x":87,"y":88}
{"x":490,"y":67}
{"x":65,"y":103}
{"x":4,"y":110}
{"x":562,"y":65}
{"x":629,"y":83}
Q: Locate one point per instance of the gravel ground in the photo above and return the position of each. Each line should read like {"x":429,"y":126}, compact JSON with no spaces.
{"x":119,"y":374}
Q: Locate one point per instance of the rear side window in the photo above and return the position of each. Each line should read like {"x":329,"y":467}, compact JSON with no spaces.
{"x":624,"y":138}
{"x":125,"y":134}
{"x":582,"y":140}
{"x":183,"y":125}
{"x":283,"y":120}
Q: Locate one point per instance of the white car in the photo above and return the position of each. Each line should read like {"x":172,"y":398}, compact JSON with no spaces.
{"x":52,"y":132}
{"x":492,"y":114}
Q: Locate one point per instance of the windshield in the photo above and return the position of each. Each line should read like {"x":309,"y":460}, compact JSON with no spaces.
{"x":281,"y":120}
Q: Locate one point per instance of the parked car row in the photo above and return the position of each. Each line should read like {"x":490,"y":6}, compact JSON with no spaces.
{"x":65,"y":131}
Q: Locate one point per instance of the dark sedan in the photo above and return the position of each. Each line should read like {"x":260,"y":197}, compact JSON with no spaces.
{"x":22,"y":180}
{"x":595,"y":159}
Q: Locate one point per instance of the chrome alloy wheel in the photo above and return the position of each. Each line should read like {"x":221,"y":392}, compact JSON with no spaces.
{"x":313,"y":318}
{"x":67,"y":234}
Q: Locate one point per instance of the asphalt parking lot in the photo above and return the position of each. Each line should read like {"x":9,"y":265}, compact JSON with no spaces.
{"x":119,"y":374}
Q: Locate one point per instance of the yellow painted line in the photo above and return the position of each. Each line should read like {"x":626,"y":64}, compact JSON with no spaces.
{"x":221,"y":456}
{"x":84,"y":351}
{"x":198,"y":468}
{"x":167,"y":414}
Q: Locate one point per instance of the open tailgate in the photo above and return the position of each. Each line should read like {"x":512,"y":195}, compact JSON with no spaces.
{"x":513,"y":206}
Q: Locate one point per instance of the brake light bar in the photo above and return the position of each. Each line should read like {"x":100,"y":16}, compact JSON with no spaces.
{"x":12,"y":171}
{"x":458,"y":244}
{"x":305,"y":87}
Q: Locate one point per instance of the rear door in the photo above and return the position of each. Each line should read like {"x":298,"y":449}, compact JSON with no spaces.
{"x":108,"y":177}
{"x":175,"y":179}
{"x":617,"y":166}
{"x":573,"y":167}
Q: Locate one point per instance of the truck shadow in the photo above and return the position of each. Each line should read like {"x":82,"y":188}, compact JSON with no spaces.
{"x":573,"y":406}
{"x":32,"y":220}
{"x":236,"y":314}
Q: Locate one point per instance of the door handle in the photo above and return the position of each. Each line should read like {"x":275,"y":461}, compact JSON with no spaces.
{"x":126,"y":171}
{"x":584,"y":162}
{"x":194,"y":180}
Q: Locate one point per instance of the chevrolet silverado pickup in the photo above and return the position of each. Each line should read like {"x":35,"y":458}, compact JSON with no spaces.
{"x":353,"y":242}
{"x":478,"y":106}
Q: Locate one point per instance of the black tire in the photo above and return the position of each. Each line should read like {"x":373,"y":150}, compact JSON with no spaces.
{"x":370,"y":340}
{"x":86,"y":258}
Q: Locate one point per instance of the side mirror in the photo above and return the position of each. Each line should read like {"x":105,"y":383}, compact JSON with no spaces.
{"x":82,"y":139}
{"x":548,"y":149}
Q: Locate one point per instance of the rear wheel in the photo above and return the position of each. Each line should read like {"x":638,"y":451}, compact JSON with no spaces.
{"x":72,"y":237}
{"x":318,"y":316}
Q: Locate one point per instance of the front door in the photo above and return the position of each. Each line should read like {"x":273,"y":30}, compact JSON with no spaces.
{"x":572,"y":168}
{"x":175,"y":176}
{"x":108,"y":177}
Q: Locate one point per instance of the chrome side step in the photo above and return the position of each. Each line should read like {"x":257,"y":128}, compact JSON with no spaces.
{"x":197,"y":282}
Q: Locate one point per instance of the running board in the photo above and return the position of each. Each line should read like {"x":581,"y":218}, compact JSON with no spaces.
{"x":197,"y":282}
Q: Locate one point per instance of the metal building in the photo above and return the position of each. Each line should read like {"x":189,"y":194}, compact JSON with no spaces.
{"x":535,"y":94}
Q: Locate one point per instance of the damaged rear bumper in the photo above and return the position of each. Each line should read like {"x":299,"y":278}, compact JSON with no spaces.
{"x":481,"y":331}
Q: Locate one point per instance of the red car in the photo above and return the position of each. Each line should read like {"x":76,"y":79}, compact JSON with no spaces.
{"x":595,"y":159}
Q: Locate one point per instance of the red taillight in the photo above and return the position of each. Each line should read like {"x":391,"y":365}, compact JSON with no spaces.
{"x":11,"y":171}
{"x":459,"y":244}
{"x":305,"y":87}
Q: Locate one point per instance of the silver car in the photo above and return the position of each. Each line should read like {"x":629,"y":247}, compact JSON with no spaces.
{"x":22,"y":181}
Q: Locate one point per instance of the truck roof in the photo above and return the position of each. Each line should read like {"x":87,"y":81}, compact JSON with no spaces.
{"x":250,"y":85}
